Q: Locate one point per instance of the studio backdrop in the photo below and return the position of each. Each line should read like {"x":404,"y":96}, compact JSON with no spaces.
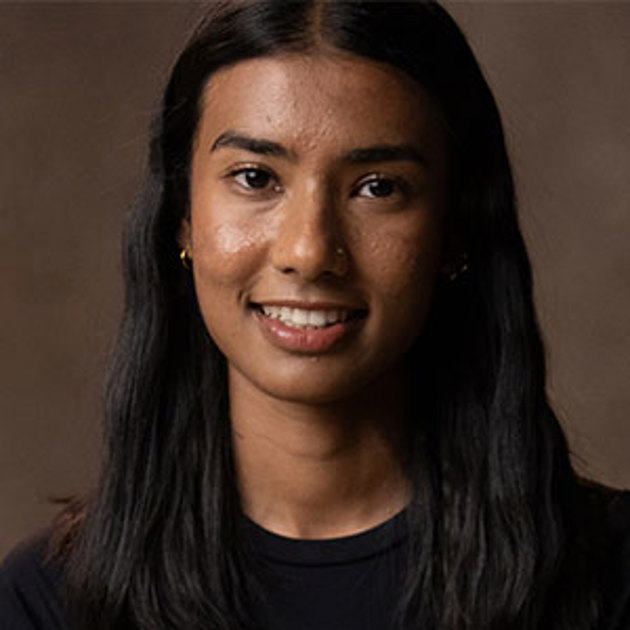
{"x":78,"y":84}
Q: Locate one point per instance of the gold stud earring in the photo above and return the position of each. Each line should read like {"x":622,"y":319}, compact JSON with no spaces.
{"x":460,"y":267}
{"x":184,"y":258}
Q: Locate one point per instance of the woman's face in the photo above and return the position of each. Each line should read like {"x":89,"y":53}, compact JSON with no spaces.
{"x":318,"y":192}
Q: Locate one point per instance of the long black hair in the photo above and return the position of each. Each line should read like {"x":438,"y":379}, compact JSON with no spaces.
{"x":498,"y":527}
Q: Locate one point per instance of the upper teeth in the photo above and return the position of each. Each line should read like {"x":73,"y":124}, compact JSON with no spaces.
{"x":304,"y":317}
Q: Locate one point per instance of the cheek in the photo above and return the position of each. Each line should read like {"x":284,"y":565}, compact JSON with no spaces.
{"x":226,"y":260}
{"x":402,"y":262}
{"x":227,"y":251}
{"x":224,"y":253}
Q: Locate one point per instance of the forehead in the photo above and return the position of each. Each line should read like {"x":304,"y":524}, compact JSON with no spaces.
{"x":318,"y":101}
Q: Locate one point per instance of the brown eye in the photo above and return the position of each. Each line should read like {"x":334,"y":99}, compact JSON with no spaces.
{"x":252,"y":178}
{"x":379,"y":187}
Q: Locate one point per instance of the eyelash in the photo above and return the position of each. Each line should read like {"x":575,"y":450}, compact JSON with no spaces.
{"x":250,"y":169}
{"x":400,"y":186}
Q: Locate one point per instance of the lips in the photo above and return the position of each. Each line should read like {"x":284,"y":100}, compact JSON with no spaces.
{"x":303,"y":318}
{"x":308,"y":327}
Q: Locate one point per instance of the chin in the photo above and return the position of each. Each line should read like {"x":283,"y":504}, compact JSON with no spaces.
{"x":309,"y":389}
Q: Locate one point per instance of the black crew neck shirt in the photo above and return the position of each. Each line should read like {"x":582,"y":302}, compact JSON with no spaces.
{"x":349,"y":583}
{"x":340,"y":583}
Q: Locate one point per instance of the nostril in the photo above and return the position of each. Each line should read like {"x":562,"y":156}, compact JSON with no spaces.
{"x":307,"y":242}
{"x":310,"y":257}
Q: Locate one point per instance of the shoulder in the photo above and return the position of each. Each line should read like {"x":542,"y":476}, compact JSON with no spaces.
{"x":613,"y":507}
{"x":30,"y":588}
{"x":618,"y":522}
{"x":618,"y":514}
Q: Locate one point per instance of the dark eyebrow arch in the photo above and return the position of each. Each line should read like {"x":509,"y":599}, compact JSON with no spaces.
{"x":253,"y":145}
{"x":385,"y":153}
{"x":379,"y":153}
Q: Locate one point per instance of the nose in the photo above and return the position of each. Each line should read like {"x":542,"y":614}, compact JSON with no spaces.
{"x":309,"y":242}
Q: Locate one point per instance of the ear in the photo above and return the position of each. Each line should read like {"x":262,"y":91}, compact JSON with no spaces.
{"x":454,"y":252}
{"x":184,"y":236}
{"x":455,"y":260}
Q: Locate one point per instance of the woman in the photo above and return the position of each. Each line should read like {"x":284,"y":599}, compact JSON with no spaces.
{"x":327,"y":408}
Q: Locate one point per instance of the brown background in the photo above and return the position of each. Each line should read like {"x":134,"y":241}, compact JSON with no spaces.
{"x":77,"y":86}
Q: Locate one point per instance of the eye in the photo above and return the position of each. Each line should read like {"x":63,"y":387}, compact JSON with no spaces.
{"x":252,"y":178}
{"x":380,"y":187}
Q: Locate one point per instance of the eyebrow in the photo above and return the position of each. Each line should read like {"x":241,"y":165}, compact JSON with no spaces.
{"x":254,"y":145}
{"x":376,"y":153}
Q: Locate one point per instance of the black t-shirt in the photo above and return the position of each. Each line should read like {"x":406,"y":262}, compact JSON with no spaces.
{"x":348,"y":583}
{"x":341,"y":584}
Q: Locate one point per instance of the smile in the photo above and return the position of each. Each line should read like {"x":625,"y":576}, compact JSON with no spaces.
{"x":306,"y":318}
{"x":316,"y":329}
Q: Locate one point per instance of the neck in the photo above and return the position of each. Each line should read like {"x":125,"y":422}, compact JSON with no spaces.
{"x":320,"y":471}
